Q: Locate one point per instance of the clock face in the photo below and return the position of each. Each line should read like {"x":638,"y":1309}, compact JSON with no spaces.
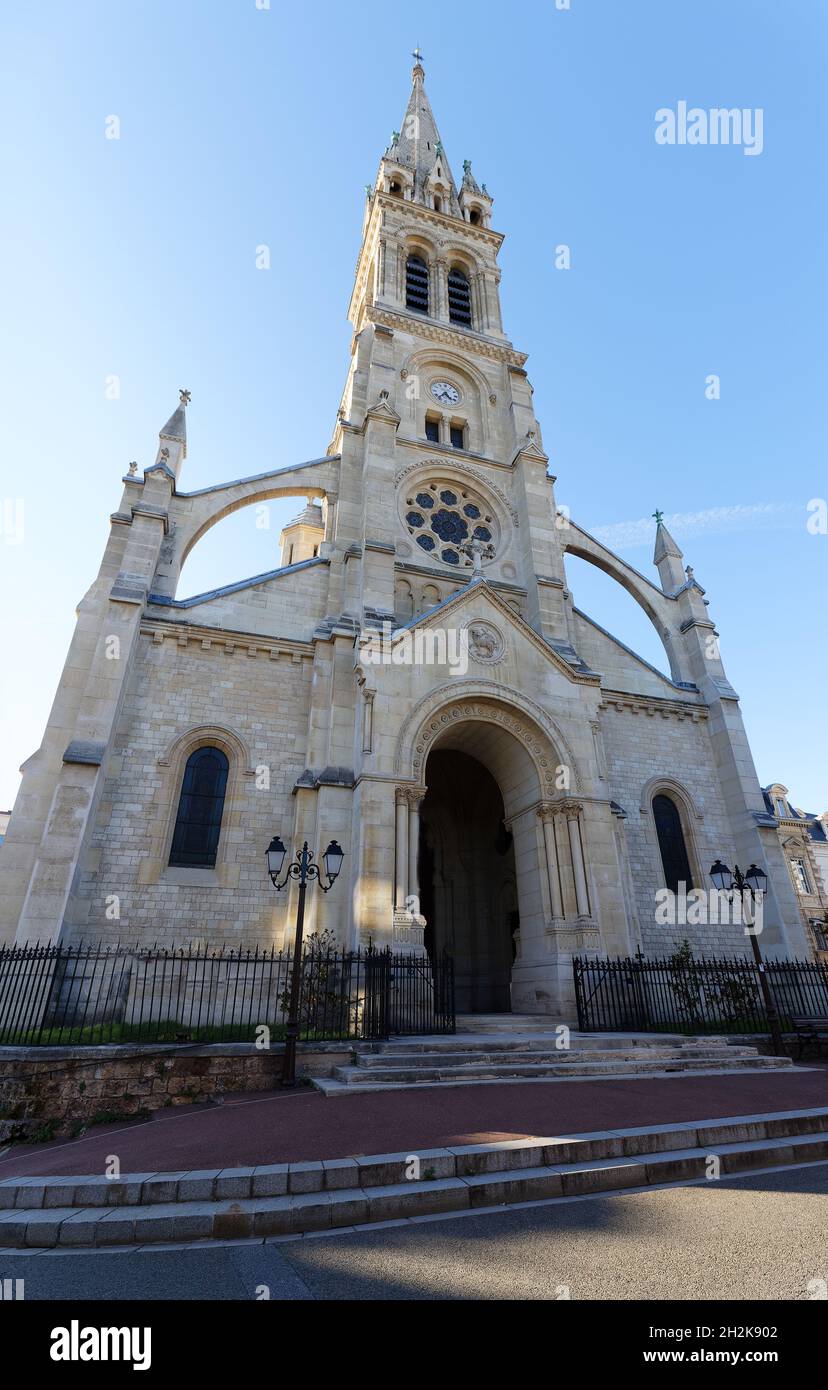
{"x":445,"y":393}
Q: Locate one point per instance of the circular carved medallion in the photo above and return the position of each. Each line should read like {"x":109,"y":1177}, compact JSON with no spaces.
{"x":486,"y":644}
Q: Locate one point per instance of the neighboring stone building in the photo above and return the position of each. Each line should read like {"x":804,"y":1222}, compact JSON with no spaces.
{"x":517,"y":791}
{"x":804,"y":840}
{"x":5,"y":817}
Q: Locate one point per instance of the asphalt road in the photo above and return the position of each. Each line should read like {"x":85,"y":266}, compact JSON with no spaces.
{"x":762,"y":1237}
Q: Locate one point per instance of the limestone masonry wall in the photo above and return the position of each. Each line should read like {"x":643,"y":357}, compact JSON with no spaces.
{"x":646,"y":752}
{"x":261,"y":705}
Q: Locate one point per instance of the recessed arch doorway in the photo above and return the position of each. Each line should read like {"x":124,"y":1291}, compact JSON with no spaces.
{"x":468,"y":888}
{"x":479,"y":868}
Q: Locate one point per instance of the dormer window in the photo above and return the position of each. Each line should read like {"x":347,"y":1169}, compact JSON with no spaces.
{"x":474,"y":217}
{"x":459,"y":297}
{"x":438,"y":205}
{"x":395,"y":188}
{"x":416,"y":285}
{"x":781,"y":808}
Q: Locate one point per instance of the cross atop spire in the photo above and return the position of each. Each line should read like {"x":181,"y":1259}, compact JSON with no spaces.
{"x":417,"y":56}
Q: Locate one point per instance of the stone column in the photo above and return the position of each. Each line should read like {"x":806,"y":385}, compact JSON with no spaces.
{"x":572,"y":811}
{"x":440,"y":283}
{"x":415,"y":798}
{"x":402,"y":850}
{"x":368,"y":720}
{"x":479,"y":306}
{"x":546,"y":814}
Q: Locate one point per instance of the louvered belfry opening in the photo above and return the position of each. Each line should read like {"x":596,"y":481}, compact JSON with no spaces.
{"x":416,"y":284}
{"x":459,"y":297}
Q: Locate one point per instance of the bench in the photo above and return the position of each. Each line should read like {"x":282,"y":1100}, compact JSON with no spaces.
{"x":809,"y":1030}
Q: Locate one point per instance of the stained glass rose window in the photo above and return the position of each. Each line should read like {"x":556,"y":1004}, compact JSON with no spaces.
{"x":448,"y":513}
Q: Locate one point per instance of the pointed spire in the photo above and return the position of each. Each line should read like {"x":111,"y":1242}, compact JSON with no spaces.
{"x":664,"y":543}
{"x":176,"y":426}
{"x":172,"y":440}
{"x":667,"y":556}
{"x":418,"y":149}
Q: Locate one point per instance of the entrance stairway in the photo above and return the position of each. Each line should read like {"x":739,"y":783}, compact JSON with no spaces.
{"x":513,"y":1047}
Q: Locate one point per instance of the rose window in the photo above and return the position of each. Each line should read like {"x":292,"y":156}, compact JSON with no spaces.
{"x":442,"y":517}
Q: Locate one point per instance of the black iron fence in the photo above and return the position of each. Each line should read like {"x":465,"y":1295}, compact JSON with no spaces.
{"x":93,"y":994}
{"x":694,"y":995}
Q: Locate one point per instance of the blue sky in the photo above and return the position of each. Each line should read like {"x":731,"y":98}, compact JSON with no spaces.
{"x":242,"y":126}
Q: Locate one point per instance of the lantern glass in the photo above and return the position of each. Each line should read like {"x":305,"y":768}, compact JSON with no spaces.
{"x":333,"y":858}
{"x":275,"y":856}
{"x":721,"y":876}
{"x":756,"y":879}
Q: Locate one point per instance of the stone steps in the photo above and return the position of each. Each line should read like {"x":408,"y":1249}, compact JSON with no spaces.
{"x":501,"y":1057}
{"x":468,"y":1060}
{"x":505,"y":1023}
{"x":358,"y":1079}
{"x":290,"y":1200}
{"x":604,"y":1043}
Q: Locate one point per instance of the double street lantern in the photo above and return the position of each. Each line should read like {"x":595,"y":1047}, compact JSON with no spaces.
{"x":302,"y":868}
{"x":751,"y":887}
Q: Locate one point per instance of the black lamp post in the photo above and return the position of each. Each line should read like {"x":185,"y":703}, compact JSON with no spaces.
{"x":302,"y":868}
{"x":752,"y":885}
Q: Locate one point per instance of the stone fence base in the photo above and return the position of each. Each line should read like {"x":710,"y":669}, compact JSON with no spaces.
{"x":48,"y":1092}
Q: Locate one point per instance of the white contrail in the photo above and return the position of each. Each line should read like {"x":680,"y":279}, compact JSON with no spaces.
{"x":764,"y":516}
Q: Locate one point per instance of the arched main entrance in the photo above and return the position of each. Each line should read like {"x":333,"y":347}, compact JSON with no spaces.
{"x":478,"y":769}
{"x":481,"y":847}
{"x":468,"y":890}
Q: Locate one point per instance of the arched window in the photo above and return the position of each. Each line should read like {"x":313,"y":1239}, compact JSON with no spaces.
{"x":416,"y":284}
{"x":197,"y":825}
{"x":671,"y":843}
{"x":459,"y":297}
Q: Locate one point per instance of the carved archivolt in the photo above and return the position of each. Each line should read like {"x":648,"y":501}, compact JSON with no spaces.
{"x":489,"y":702}
{"x":444,"y":468}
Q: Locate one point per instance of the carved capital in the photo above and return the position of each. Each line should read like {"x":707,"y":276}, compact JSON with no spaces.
{"x":410,"y":796}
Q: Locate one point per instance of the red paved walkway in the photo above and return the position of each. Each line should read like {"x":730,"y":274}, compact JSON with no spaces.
{"x":278,"y":1126}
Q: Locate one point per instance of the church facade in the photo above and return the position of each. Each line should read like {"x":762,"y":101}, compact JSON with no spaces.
{"x":508,"y":781}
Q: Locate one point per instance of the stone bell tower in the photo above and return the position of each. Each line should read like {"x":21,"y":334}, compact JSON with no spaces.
{"x":433,"y":369}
